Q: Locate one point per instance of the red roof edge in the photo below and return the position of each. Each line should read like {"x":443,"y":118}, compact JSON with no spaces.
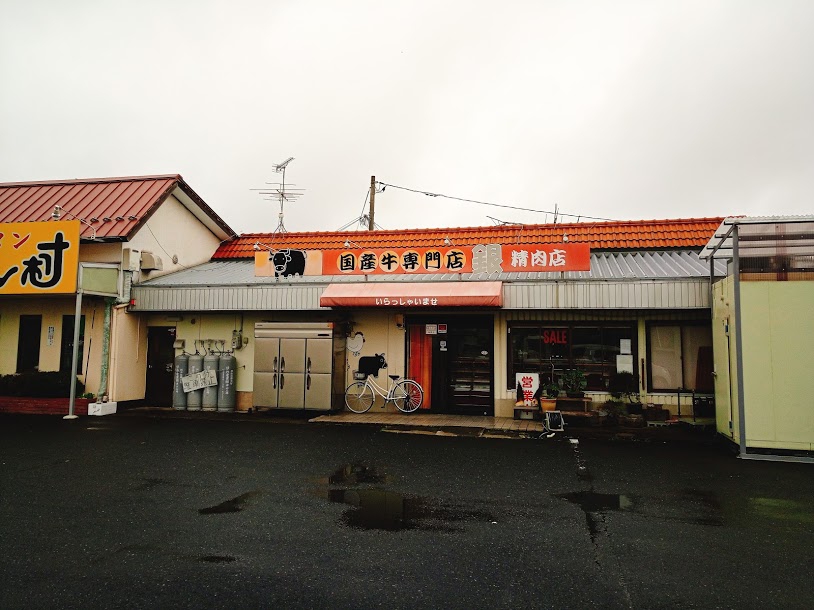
{"x":666,"y":234}
{"x":93,"y":180}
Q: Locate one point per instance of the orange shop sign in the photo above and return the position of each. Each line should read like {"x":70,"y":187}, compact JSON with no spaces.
{"x":39,"y":257}
{"x":490,"y":258}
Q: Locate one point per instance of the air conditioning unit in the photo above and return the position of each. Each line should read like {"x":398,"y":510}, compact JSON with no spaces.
{"x":151,"y":262}
{"x":131,"y":259}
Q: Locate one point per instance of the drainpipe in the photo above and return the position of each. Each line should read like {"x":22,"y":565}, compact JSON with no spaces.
{"x":105,"y":349}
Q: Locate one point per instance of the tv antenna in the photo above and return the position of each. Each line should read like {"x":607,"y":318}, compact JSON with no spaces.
{"x":279,"y":192}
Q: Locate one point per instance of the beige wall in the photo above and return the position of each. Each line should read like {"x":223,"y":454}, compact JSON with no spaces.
{"x":215,"y":328}
{"x":378,"y":327}
{"x":101,"y":252}
{"x":724,"y":353}
{"x":174,"y":230}
{"x":381,"y":336}
{"x":128,"y":355}
{"x":778,"y":351}
{"x":52,"y":309}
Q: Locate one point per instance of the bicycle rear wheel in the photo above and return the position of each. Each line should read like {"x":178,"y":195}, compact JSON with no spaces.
{"x":359,"y":397}
{"x":408,"y":396}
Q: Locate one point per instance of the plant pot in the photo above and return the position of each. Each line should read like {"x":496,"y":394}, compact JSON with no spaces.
{"x":548,"y":404}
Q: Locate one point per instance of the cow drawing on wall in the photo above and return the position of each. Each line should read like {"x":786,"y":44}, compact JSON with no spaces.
{"x":288,"y":262}
{"x":371,"y":365}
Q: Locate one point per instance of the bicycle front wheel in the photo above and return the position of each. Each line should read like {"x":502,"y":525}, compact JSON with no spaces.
{"x":359,"y":397}
{"x":408,"y":396}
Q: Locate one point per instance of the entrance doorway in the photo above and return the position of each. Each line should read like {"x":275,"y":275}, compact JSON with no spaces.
{"x":28,"y":343}
{"x":451,"y":357}
{"x":160,"y":358}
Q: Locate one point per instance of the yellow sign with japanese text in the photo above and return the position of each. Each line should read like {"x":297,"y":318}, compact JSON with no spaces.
{"x":39,"y":257}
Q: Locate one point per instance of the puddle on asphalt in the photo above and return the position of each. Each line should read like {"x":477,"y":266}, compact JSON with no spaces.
{"x":592,"y":502}
{"x":235,"y":505}
{"x":378,"y":509}
{"x":594,"y":505}
{"x":776,"y":508}
{"x":373,"y":508}
{"x":695,"y":506}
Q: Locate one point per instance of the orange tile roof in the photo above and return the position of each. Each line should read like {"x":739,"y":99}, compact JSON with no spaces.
{"x":115,"y":207}
{"x":692,"y":233}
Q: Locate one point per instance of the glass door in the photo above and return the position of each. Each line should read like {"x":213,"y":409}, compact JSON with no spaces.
{"x":451,"y":357}
{"x":469,"y":370}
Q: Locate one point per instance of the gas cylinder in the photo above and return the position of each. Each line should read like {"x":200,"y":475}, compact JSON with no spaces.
{"x":227,"y":368}
{"x":209,"y":398}
{"x":194,"y":397}
{"x":179,"y":397}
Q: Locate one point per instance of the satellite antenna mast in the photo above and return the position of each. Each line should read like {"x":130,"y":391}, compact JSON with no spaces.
{"x":280,"y":193}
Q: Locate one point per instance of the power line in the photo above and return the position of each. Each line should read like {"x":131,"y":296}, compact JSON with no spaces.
{"x":363,"y":220}
{"x":497,"y":205}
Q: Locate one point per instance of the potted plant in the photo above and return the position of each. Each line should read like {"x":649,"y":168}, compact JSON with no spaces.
{"x":615,"y":410}
{"x":574,"y":382}
{"x":549,"y":393}
{"x":623,"y":385}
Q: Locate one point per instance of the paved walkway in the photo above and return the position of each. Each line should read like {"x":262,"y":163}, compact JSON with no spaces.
{"x":429,"y":420}
{"x":431,"y":423}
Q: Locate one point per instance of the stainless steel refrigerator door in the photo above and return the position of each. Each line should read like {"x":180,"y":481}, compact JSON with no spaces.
{"x":319,"y":356}
{"x":264,"y":393}
{"x":266,"y":360}
{"x":292,"y":355}
{"x":292,"y":390}
{"x":266,"y":354}
{"x":318,"y":391}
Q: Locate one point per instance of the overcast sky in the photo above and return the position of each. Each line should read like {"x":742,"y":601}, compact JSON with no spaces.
{"x":620,"y":110}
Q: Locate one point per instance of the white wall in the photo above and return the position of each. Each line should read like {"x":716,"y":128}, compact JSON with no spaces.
{"x":174,"y":230}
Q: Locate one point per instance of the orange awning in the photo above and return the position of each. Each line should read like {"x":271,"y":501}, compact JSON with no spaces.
{"x":416,"y":294}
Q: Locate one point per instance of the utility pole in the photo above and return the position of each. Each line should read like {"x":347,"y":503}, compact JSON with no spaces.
{"x":372,"y":202}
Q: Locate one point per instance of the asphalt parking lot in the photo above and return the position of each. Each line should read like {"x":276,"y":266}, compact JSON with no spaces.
{"x":147,"y":512}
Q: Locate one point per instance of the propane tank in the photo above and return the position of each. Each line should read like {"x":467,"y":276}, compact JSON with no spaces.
{"x":194,"y":397}
{"x":179,"y":397}
{"x":227,"y":367}
{"x":209,"y":398}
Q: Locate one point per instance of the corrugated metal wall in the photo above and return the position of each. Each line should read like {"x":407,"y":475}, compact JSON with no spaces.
{"x":227,"y":299}
{"x":686,"y":294}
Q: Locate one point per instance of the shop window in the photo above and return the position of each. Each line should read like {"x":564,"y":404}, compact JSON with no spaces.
{"x":552,"y":349}
{"x":680,"y":357}
{"x":28,"y":343}
{"x":66,"y":347}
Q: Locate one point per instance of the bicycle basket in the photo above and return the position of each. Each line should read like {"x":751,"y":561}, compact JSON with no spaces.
{"x":359,"y":376}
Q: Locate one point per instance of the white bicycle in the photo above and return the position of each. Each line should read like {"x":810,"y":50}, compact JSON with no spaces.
{"x":407,"y":395}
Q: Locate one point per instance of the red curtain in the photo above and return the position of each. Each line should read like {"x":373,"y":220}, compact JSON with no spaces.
{"x":420,"y":363}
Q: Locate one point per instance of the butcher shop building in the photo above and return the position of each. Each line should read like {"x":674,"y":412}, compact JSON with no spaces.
{"x":466,"y":312}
